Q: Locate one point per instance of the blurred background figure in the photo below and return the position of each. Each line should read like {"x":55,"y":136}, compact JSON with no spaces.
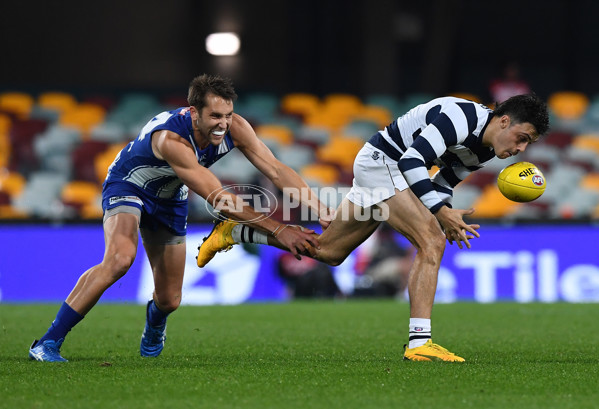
{"x":510,"y":83}
{"x":383,"y":265}
{"x":307,"y":278}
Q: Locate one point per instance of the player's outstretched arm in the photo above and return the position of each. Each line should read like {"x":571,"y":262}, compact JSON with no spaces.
{"x":282,"y":176}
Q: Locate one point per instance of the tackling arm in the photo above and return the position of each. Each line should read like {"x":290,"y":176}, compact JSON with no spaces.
{"x":283,"y":177}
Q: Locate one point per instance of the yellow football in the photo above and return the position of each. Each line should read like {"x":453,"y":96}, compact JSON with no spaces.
{"x":521,"y":182}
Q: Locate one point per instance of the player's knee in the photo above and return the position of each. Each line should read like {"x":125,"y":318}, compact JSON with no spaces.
{"x":432,"y":246}
{"x":331,"y":258}
{"x":168,"y":304}
{"x":119,"y":263}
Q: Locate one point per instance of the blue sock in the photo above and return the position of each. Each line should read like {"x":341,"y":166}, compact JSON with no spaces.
{"x":66,"y":319}
{"x":156,"y":317}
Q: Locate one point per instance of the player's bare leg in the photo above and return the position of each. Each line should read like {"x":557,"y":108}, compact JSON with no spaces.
{"x":168,"y":265}
{"x":408,"y":216}
{"x":351,"y":226}
{"x":120,"y":236}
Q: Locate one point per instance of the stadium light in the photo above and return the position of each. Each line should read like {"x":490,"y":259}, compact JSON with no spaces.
{"x":223,"y":44}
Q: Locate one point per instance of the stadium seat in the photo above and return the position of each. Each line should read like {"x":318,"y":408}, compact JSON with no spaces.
{"x":11,"y":183}
{"x":568,"y":104}
{"x":78,"y":193}
{"x":320,"y":174}
{"x":16,"y":103}
{"x":41,"y":195}
{"x":481,"y":178}
{"x":4,"y":198}
{"x":83,"y":117}
{"x":340,"y":151}
{"x":105,"y":101}
{"x":379,"y":115}
{"x":9,"y":212}
{"x":465,"y":195}
{"x":362,"y":128}
{"x":83,"y":159}
{"x":5,"y":145}
{"x":333,"y":122}
{"x":560,"y":139}
{"x":390,"y":102}
{"x":110,"y":132}
{"x":492,"y":204}
{"x":579,"y":202}
{"x":590,"y":182}
{"x":587,"y":141}
{"x":280,"y":133}
{"x":296,"y":156}
{"x":22,"y":134}
{"x":104,"y":159}
{"x":302,"y":104}
{"x":57,"y":101}
{"x":342,"y":104}
{"x":313,"y":135}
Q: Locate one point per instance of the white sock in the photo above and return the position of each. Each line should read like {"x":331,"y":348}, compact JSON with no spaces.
{"x":420,"y":331}
{"x":246,"y":234}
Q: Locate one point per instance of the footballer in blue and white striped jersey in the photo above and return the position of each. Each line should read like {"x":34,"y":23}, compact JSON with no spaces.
{"x":446,"y":132}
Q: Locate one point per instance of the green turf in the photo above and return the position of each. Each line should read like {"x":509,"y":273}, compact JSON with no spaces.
{"x":307,"y":355}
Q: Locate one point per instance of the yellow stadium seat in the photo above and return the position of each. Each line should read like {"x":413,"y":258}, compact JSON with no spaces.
{"x":18,"y":103}
{"x":10,"y":212}
{"x":79,"y":193}
{"x":5,"y":123}
{"x":300,"y":103}
{"x":568,"y":104}
{"x":380,"y":115}
{"x":340,"y":151}
{"x":590,"y":181}
{"x":12,"y":183}
{"x":104,"y":159}
{"x":587,"y":142}
{"x":332,"y":121}
{"x":346,"y":104}
{"x":5,"y":149}
{"x":57,"y":101}
{"x":280,"y":133}
{"x":84,"y":116}
{"x":492,"y":204}
{"x":325,"y":175}
{"x":91,"y":211}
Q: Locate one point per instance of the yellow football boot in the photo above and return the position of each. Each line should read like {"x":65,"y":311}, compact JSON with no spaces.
{"x":430,"y":352}
{"x":219,"y":239}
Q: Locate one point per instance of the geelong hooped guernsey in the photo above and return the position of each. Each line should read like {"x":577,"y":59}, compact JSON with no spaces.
{"x":446,"y":132}
{"x":138,"y":165}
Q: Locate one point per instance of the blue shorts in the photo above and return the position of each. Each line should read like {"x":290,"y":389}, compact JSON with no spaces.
{"x":155,"y":213}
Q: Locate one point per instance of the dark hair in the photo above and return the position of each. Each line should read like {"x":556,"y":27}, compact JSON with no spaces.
{"x":205,"y":84}
{"x":525,"y":108}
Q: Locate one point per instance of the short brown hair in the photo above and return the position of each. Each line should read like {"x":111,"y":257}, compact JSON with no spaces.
{"x":205,"y":84}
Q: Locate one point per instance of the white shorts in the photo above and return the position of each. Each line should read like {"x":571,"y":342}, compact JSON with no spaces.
{"x":376,"y":176}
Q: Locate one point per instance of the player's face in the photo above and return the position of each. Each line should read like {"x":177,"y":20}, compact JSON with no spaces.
{"x":214,"y":120}
{"x":513,"y":139}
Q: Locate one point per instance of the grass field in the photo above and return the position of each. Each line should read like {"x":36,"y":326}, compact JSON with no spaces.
{"x":307,"y":355}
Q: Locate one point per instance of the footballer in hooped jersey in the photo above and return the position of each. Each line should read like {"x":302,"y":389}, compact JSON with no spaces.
{"x":391,"y":174}
{"x":146,"y":192}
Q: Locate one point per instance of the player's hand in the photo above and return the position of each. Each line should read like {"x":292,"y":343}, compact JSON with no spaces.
{"x":326,"y":217}
{"x":298,"y":240}
{"x":452,"y":221}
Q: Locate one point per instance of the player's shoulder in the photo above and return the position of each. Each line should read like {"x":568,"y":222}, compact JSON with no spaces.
{"x":241,"y":130}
